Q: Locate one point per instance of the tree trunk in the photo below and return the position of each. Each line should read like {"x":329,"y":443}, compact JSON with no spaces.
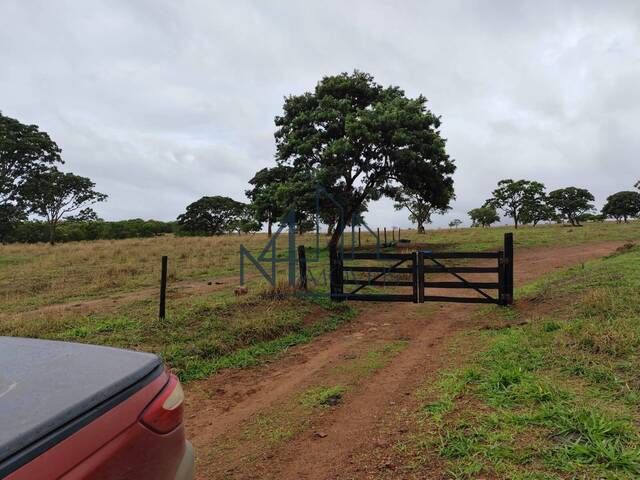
{"x":269,"y":224}
{"x":52,"y":233}
{"x":337,"y":233}
{"x":330,"y":227}
{"x":420,"y":227}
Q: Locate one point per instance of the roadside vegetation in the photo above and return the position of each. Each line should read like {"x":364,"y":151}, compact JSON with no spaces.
{"x":553,"y":392}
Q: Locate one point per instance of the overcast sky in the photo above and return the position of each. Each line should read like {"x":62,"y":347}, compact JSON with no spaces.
{"x":162,"y":102}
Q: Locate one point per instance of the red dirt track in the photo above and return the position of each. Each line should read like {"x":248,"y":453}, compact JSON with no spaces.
{"x":349,"y":440}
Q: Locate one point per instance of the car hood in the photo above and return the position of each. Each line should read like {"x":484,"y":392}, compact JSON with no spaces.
{"x":46,"y":384}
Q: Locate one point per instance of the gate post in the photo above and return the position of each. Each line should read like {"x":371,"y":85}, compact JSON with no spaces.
{"x":335,"y":274}
{"x":414,"y":274}
{"x":508,"y":273}
{"x":302,"y":263}
{"x":420,"y":277}
{"x":501,"y":285}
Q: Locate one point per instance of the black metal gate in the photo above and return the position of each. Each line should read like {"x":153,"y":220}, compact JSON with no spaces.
{"x":415,"y":269}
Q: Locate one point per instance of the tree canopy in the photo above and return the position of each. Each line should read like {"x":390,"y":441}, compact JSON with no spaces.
{"x":483,"y":216}
{"x":264,"y":194}
{"x":512,"y":196}
{"x":24,"y":151}
{"x":571,"y":203}
{"x":622,"y":205}
{"x":53,"y":194}
{"x":358,"y":139}
{"x":536,"y":209}
{"x":213,"y":216}
{"x":420,"y":210}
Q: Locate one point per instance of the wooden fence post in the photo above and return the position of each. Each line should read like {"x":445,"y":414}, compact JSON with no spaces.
{"x":163,"y":287}
{"x":359,"y":243}
{"x":508,"y":274}
{"x":302,"y":263}
{"x":385,"y":236}
{"x":335,"y":275}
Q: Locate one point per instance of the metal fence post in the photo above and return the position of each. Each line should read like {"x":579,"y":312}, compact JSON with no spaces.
{"x":163,"y":287}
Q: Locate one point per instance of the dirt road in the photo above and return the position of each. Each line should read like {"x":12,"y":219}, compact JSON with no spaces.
{"x":249,"y":423}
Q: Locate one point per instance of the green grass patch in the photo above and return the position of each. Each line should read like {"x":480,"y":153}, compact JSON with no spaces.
{"x":555,"y":398}
{"x":322,"y":396}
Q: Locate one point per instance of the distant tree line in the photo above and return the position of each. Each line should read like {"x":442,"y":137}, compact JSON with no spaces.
{"x":73,"y":230}
{"x":527,"y":202}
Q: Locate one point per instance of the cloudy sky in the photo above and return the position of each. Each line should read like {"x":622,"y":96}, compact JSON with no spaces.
{"x":161,"y":102}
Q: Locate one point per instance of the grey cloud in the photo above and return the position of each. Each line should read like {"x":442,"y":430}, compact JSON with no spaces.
{"x":161,"y":102}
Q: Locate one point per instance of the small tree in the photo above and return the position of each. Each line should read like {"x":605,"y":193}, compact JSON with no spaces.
{"x":246,"y":222}
{"x":421,"y":205}
{"x":212,"y":216}
{"x":455,"y":223}
{"x":571,"y":203}
{"x":483,"y":216}
{"x":360,"y":139}
{"x":53,"y":194}
{"x":263,"y":195}
{"x":24,"y":151}
{"x":511,"y":196}
{"x":622,"y":205}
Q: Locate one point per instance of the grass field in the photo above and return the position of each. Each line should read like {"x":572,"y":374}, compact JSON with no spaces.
{"x":206,"y":329}
{"x":555,"y":398}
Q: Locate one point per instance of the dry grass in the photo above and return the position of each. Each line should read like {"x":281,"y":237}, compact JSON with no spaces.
{"x":35,"y":275}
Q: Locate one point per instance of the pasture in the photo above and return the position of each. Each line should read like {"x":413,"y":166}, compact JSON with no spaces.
{"x":495,"y":376}
{"x":106,"y":292}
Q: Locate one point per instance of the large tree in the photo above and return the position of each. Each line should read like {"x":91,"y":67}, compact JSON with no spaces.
{"x":536,"y":209}
{"x":421,"y":205}
{"x":511,"y":196}
{"x":622,"y":205}
{"x":571,"y":203}
{"x":52,"y":194}
{"x":24,"y":151}
{"x":212,"y":216}
{"x":361,"y":139}
{"x":483,"y":216}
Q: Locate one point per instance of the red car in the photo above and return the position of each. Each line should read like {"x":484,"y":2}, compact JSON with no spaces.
{"x":74,"y":411}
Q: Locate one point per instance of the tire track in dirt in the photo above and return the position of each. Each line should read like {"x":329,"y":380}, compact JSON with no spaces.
{"x":223,"y":402}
